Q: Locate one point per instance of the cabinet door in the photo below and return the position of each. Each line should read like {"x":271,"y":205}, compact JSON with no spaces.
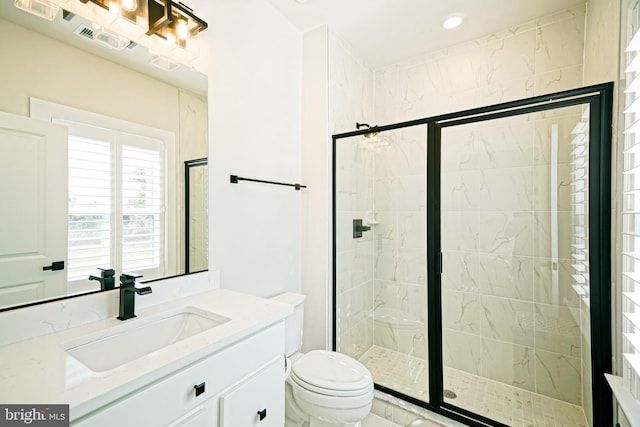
{"x":258,"y":401}
{"x":171,"y":397}
{"x":202,"y":416}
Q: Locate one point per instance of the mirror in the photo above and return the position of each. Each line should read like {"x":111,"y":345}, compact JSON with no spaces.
{"x":48,"y":61}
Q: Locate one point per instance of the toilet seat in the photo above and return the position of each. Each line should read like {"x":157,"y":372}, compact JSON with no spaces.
{"x":332,"y":374}
{"x":329,"y":392}
{"x":312,"y":402}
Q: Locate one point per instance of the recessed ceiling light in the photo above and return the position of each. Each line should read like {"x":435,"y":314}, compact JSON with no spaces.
{"x":452,"y":21}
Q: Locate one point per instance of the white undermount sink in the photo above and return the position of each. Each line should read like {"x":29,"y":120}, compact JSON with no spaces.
{"x":105,"y":350}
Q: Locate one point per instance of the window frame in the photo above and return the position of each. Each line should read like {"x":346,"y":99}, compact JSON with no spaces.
{"x":57,"y":113}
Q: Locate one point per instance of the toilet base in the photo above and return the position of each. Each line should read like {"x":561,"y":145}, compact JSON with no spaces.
{"x":295,"y":416}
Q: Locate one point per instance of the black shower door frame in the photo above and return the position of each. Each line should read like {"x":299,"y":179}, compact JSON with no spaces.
{"x":600,"y":101}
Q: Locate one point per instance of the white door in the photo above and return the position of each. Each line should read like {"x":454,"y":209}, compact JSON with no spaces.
{"x":33,"y":209}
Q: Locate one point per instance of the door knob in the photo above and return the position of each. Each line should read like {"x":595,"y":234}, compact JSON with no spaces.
{"x":55,"y":266}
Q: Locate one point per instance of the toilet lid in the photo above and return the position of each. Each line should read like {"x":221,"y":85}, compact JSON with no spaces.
{"x":332,"y":371}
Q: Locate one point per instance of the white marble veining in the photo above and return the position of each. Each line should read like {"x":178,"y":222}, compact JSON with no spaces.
{"x":38,"y":369}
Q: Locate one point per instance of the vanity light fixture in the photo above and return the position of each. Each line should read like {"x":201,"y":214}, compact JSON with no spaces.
{"x":452,"y":21}
{"x":163,"y":62}
{"x":178,"y":26}
{"x":168,"y":29}
{"x":108,"y":38}
{"x":124,"y":12}
{"x":42,"y":8}
{"x":129,"y":5}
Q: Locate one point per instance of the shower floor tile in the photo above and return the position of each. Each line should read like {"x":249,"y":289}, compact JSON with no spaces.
{"x":507,"y":404}
{"x":398,"y":371}
{"x":510,"y":405}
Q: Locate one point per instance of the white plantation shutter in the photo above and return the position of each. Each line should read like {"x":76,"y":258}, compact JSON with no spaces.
{"x":631,"y":218}
{"x":116,"y":202}
{"x":579,"y":202}
{"x":142,"y":208}
{"x":90,"y":187}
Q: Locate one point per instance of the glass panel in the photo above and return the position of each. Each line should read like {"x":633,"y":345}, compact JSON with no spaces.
{"x":381,"y":269}
{"x":198,"y":218}
{"x":515,"y":283}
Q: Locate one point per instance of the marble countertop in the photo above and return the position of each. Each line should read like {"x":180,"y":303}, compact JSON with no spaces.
{"x":39,"y":371}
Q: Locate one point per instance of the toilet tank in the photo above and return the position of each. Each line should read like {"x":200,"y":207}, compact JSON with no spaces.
{"x":293,"y":322}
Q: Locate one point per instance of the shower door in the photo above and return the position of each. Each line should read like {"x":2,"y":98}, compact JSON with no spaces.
{"x":515,"y":280}
{"x":472,"y":260}
{"x":381,"y":270}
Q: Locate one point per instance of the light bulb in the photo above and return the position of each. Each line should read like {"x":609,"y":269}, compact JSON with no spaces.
{"x":182,"y":29}
{"x":452,"y":21}
{"x":129,"y":5}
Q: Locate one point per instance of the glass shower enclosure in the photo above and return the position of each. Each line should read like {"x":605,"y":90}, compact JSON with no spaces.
{"x":472,"y":259}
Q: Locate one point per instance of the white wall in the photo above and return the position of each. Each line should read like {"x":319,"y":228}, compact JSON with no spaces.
{"x":253,"y":58}
{"x":34,"y":65}
{"x":316,"y":167}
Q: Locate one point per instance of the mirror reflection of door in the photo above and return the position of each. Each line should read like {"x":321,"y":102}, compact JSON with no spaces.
{"x":33,"y":230}
{"x":196,"y":215}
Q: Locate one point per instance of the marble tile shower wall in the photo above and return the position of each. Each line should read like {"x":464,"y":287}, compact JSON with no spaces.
{"x":498,"y":311}
{"x":400,"y":270}
{"x":504,"y":317}
{"x":351,"y":101}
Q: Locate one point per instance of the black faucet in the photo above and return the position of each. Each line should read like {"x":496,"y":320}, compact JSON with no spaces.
{"x":128,"y":293}
{"x":107,"y":279}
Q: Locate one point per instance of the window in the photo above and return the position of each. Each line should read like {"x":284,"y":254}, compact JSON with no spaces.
{"x":116,"y":194}
{"x":120,"y":200}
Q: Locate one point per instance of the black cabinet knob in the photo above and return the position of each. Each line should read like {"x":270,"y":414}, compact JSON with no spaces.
{"x":262,"y":414}
{"x":199,"y":388}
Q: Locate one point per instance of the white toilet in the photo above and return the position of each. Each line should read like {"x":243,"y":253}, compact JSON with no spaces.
{"x":323,"y":388}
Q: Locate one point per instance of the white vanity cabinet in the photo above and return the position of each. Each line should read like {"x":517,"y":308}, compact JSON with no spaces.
{"x":240,"y":385}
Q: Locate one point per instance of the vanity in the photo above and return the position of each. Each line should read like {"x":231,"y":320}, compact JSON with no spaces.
{"x":210,"y":359}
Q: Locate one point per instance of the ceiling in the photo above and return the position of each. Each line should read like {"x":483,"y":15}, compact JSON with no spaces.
{"x":382,"y":32}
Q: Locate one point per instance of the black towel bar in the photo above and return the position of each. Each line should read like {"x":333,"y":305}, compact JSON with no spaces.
{"x":235,"y":178}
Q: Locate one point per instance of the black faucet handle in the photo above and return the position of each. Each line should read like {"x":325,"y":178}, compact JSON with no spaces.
{"x":107,"y":272}
{"x":129,"y":278}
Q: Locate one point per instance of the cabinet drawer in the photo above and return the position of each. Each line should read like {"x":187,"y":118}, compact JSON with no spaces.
{"x":259,"y":401}
{"x":173,"y":396}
